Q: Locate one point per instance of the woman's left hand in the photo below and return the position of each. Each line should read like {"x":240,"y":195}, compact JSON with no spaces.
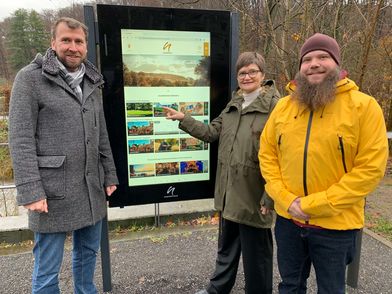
{"x":173,"y":114}
{"x":264,"y":210}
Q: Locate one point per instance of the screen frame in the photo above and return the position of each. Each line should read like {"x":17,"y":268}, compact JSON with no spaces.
{"x":113,"y":18}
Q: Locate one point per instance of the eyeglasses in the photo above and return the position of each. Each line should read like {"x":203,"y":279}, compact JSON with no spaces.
{"x":251,"y":74}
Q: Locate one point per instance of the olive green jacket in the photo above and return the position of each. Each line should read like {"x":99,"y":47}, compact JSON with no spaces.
{"x":239,"y":187}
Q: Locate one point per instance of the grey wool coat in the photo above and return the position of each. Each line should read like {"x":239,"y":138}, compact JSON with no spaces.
{"x":239,"y":186}
{"x":59,"y":146}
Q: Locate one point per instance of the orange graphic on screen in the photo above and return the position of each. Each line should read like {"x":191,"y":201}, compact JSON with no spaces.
{"x":167,"y":46}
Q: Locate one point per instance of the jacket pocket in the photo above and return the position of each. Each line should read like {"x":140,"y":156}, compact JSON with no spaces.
{"x":279,"y":144}
{"x":52,"y":171}
{"x":342,"y":151}
{"x":95,"y":118}
{"x":256,"y":126}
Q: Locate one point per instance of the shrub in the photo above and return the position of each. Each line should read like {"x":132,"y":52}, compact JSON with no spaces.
{"x":5,"y":95}
{"x":6,"y":171}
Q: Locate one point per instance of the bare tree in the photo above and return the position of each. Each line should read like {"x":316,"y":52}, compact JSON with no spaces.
{"x":374,"y":9}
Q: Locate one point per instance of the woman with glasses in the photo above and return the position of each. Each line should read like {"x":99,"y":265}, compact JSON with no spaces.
{"x":245,"y":223}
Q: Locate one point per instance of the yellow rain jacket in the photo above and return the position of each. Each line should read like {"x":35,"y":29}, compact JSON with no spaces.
{"x":331,"y":158}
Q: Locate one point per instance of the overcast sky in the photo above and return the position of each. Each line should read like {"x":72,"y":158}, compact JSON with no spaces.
{"x":7,"y":7}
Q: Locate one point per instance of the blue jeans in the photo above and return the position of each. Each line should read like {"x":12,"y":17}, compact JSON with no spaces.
{"x":328,"y":250}
{"x":48,"y":255}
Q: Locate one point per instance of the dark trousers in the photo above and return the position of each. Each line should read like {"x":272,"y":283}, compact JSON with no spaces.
{"x":328,"y":250}
{"x":255,"y":244}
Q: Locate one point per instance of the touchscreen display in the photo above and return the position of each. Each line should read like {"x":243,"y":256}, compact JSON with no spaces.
{"x":153,"y":58}
{"x":165,"y":69}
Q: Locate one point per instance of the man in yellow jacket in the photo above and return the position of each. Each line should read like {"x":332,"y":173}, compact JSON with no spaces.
{"x":323,"y":150}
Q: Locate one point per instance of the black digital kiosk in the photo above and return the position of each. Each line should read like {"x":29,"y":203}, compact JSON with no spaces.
{"x":156,"y":57}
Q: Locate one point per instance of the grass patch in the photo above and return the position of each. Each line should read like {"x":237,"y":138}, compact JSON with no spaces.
{"x":159,"y":239}
{"x":3,"y":131}
{"x":6,"y":171}
{"x":120,"y":231}
{"x":141,"y":228}
{"x":379,"y":225}
{"x":14,"y":248}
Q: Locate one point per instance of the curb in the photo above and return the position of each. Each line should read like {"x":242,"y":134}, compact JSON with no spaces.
{"x":378,"y":237}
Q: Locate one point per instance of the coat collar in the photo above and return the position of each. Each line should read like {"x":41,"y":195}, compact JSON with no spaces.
{"x":262,"y":102}
{"x":49,"y":65}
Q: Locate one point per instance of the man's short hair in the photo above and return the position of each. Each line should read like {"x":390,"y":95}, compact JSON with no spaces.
{"x":71,"y":23}
{"x":248,"y":58}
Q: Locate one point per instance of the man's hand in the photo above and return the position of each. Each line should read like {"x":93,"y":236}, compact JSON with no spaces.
{"x":110,"y":189}
{"x":38,"y":206}
{"x":173,"y":114}
{"x":296,"y":211}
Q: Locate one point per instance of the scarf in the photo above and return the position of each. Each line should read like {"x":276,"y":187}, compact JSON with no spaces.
{"x":73,"y":81}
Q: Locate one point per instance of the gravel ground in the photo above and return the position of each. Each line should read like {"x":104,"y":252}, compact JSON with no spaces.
{"x":180,"y":261}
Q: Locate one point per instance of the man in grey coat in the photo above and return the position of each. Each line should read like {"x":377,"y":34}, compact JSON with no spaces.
{"x":61,"y":154}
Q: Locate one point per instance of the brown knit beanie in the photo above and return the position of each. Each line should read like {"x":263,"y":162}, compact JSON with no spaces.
{"x":321,"y":42}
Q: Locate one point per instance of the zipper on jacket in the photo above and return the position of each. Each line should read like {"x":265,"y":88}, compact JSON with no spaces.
{"x":306,"y":153}
{"x":342,"y":151}
{"x":279,"y":141}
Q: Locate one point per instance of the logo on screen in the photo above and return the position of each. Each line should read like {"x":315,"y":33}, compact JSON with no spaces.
{"x":167,"y":46}
{"x":170,"y":192}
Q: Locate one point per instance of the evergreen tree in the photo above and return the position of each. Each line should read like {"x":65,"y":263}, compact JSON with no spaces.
{"x":39,"y":37}
{"x":27,"y":37}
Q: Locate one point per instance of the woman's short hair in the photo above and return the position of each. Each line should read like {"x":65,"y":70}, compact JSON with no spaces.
{"x":248,"y":58}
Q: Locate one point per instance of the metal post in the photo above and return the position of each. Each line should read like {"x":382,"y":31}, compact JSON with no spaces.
{"x":156,"y":215}
{"x":92,"y":41}
{"x":353,"y":267}
{"x":89,"y":20}
{"x":234,"y":49}
{"x":105,"y":257}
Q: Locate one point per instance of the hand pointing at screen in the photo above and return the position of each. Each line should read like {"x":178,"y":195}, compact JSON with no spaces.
{"x":173,"y":114}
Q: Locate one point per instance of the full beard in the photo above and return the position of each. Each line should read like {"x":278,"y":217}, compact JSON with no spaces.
{"x":315,"y":96}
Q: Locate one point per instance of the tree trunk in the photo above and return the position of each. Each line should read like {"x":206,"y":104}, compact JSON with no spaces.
{"x":368,"y":42}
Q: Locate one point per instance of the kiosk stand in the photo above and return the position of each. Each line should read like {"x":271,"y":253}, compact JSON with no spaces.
{"x":203,"y":47}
